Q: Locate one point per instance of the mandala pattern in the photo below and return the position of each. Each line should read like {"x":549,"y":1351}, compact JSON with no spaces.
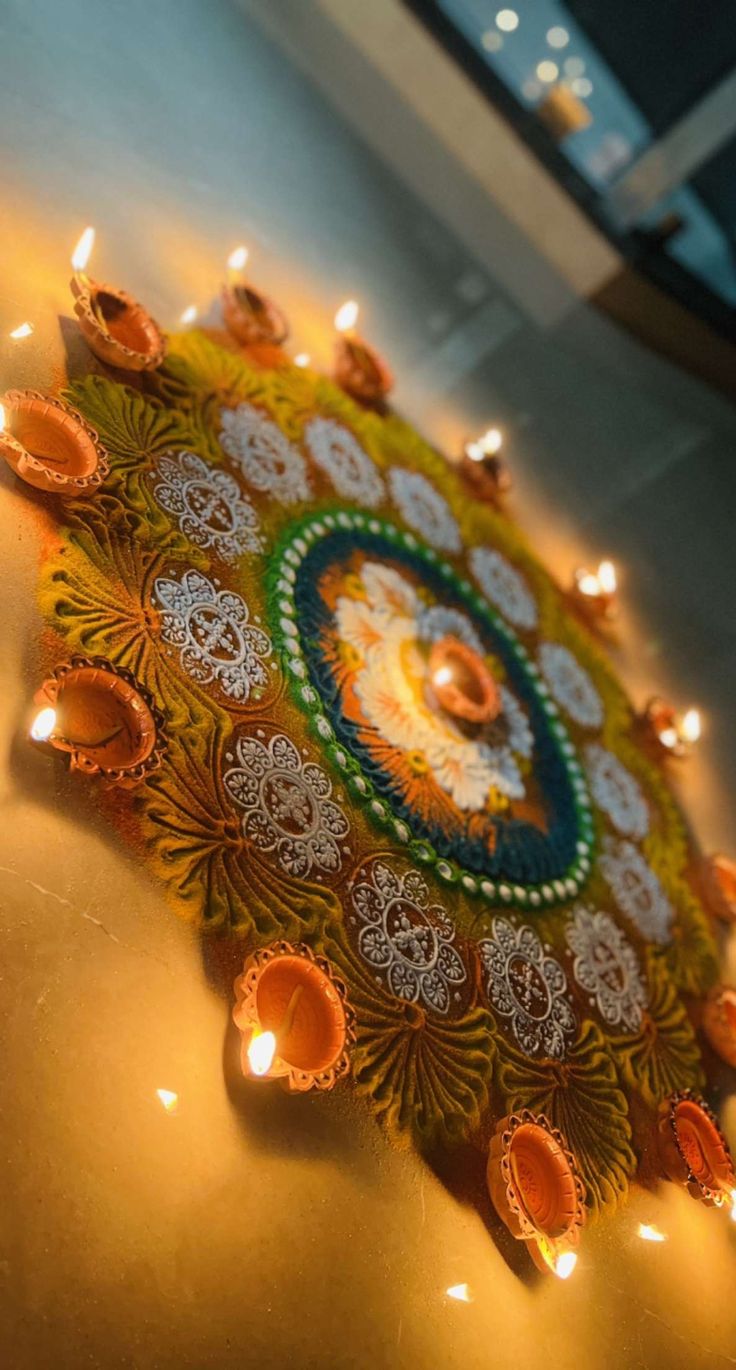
{"x":528,"y":988}
{"x":266,"y":458}
{"x":606,"y":967}
{"x":210,"y":628}
{"x":616,"y":792}
{"x":287,"y":805}
{"x":424,"y":509}
{"x":406,"y":937}
{"x":570,"y":685}
{"x":637,"y":890}
{"x":208,"y":504}
{"x":338,"y":453}
{"x":504,"y":586}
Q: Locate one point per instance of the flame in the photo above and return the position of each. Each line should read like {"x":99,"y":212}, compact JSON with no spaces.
{"x":168,"y":1098}
{"x":649,"y":1233}
{"x":237,"y":259}
{"x":82,"y":252}
{"x":302,"y":359}
{"x":43,"y":725}
{"x":442,"y":676}
{"x":588,"y":584}
{"x":565,"y":1264}
{"x":261,"y":1051}
{"x":346,"y":316}
{"x":669,"y":738}
{"x":189,"y":314}
{"x":461,"y":1292}
{"x":24,"y":330}
{"x":690,"y":726}
{"x":607,"y":577}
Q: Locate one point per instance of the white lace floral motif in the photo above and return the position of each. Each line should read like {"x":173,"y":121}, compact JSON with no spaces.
{"x":606,"y":967}
{"x":424,"y":509}
{"x":616,"y":792}
{"x":406,"y":937}
{"x":287,"y":804}
{"x":339,"y":454}
{"x":636,"y":889}
{"x":211,"y":630}
{"x":570,"y":685}
{"x":528,"y":988}
{"x":211,"y":510}
{"x":269,"y":462}
{"x":504,"y":586}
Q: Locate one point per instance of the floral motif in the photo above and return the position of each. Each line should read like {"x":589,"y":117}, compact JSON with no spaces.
{"x":616,"y":792}
{"x":287,"y":803}
{"x":211,"y":630}
{"x":570,"y":685}
{"x":269,"y":462}
{"x":636,"y":889}
{"x":504,"y":586}
{"x":528,"y":988}
{"x":663,"y":1055}
{"x":209,"y":505}
{"x":406,"y":937}
{"x":606,"y":967}
{"x":424,"y":509}
{"x":339,"y":454}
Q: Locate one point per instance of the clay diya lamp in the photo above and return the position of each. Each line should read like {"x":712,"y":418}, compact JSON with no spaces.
{"x":49,"y":445}
{"x":102,"y":718}
{"x":462,"y":683}
{"x":593,"y":593}
{"x":536,"y":1189}
{"x":252,"y":318}
{"x":668,"y":732}
{"x":693,"y":1150}
{"x":719,"y":1022}
{"x":483,"y":470}
{"x":719,"y":880}
{"x":116,"y":327}
{"x":295,"y":1021}
{"x":359,"y":368}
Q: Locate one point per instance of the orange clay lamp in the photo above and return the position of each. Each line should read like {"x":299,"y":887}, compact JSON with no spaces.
{"x":668,"y":732}
{"x":250,"y":316}
{"x":294,"y":1018}
{"x":719,"y":1022}
{"x":719,"y":880}
{"x":49,"y":445}
{"x":115,"y":326}
{"x":483,"y":469}
{"x":359,"y":368}
{"x":461,"y":682}
{"x":536,"y":1190}
{"x":102,"y":718}
{"x":694,"y":1151}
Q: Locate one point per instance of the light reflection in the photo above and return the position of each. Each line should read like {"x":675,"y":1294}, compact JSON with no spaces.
{"x":24,"y":330}
{"x":169,"y":1099}
{"x":461,"y":1292}
{"x":649,"y":1233}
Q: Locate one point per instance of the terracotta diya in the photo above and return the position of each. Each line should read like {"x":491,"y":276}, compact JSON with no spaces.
{"x":719,"y":878}
{"x":251,"y":317}
{"x":462,"y":683}
{"x":116,"y":327}
{"x":668,"y":733}
{"x":536,"y":1190}
{"x":291,"y":1002}
{"x":489,"y":477}
{"x":693,"y":1150}
{"x":49,"y":445}
{"x":102,"y":718}
{"x":361,"y":371}
{"x":719,"y":1022}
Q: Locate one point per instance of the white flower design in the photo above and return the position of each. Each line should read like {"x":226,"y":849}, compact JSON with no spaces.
{"x":424,"y":509}
{"x":388,"y":629}
{"x":636,"y":889}
{"x":406,"y":937}
{"x":616,"y":792}
{"x":504,"y":586}
{"x":528,"y":988}
{"x":338,"y":453}
{"x":211,"y":630}
{"x":209,"y":505}
{"x":570,"y":685}
{"x":269,"y":462}
{"x":606,"y":967}
{"x":287,"y":803}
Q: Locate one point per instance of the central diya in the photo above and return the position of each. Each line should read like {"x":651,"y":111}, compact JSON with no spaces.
{"x":462,"y":682}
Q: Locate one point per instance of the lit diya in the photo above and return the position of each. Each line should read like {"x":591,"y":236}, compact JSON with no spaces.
{"x":484,"y":470}
{"x":693,"y":1150}
{"x":250,"y":316}
{"x":671,"y":733}
{"x":594,"y":592}
{"x":49,"y":445}
{"x":104,"y":720}
{"x":294,"y":1018}
{"x":536,"y":1189}
{"x":462,"y":683}
{"x":359,"y":368}
{"x":115,"y":326}
{"x":719,"y":1022}
{"x":719,"y":879}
